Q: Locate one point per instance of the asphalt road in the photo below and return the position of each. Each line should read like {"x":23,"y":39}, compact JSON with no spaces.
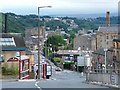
{"x":60,"y":80}
{"x":67,"y":79}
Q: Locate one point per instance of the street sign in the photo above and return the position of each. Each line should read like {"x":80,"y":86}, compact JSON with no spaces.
{"x":114,"y":79}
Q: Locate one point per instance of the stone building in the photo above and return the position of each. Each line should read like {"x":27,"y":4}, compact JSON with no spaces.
{"x":116,"y":55}
{"x":105,"y":36}
{"x":31,"y":38}
{"x":85,"y":42}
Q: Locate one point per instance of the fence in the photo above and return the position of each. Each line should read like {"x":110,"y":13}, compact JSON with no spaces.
{"x":105,"y":78}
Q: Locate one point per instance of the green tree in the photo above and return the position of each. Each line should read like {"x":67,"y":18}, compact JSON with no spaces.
{"x":47,"y":52}
{"x":55,"y":41}
{"x":53,"y":24}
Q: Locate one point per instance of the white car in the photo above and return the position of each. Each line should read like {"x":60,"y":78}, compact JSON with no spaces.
{"x":58,"y":69}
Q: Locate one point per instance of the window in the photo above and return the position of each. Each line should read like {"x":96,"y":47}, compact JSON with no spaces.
{"x":107,"y":37}
{"x":7,"y":42}
{"x":100,"y":36}
{"x":114,"y":37}
{"x":114,"y":45}
{"x":118,"y":45}
{"x":111,"y":37}
{"x":107,"y":42}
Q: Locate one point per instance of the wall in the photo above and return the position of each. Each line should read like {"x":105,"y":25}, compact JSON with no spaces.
{"x":7,"y":55}
{"x":31,"y":56}
{"x":101,"y":39}
{"x":104,"y":78}
{"x":117,"y":54}
{"x":82,"y":41}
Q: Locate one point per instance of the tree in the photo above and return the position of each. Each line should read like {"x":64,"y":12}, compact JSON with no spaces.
{"x":47,"y":52}
{"x":55,"y":41}
{"x":55,"y":23}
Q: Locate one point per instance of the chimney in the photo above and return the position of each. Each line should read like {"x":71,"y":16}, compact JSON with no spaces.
{"x":119,"y":19}
{"x":108,"y":18}
{"x":6,"y":23}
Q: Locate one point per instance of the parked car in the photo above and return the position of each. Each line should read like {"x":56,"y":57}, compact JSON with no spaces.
{"x":58,"y":69}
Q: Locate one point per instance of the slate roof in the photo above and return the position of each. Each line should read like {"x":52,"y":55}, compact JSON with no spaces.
{"x":18,"y":39}
{"x":108,"y":29}
{"x":116,"y":40}
{"x":101,"y":51}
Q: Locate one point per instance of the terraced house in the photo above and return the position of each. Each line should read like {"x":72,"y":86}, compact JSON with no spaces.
{"x":116,"y":55}
{"x":105,"y":36}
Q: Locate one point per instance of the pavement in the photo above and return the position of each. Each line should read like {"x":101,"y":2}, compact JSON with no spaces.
{"x":34,"y":80}
{"x":8,"y":80}
{"x":102,"y":84}
{"x":57,"y":75}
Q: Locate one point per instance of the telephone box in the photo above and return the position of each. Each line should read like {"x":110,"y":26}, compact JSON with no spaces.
{"x":24,"y":66}
{"x":44,"y":69}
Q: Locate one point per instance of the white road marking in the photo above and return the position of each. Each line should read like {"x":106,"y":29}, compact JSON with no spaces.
{"x":36,"y":84}
{"x":53,"y":78}
{"x":27,"y":80}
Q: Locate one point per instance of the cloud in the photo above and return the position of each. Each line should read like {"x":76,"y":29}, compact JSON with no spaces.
{"x":60,"y":6}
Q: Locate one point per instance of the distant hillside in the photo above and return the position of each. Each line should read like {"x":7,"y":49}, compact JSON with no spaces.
{"x":18,"y":23}
{"x":80,"y":15}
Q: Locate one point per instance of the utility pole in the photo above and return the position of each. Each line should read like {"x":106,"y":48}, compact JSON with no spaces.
{"x":38,"y":44}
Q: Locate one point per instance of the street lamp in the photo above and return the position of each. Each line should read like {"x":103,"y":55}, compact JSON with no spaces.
{"x":39,"y":38}
{"x":105,"y":58}
{"x":105,"y":50}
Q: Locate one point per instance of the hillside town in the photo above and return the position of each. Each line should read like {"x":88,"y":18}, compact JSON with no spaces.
{"x":93,"y":54}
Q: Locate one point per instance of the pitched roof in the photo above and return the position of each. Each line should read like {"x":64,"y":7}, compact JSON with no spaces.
{"x":87,"y":36}
{"x":102,"y":52}
{"x":108,"y":29}
{"x":18,"y":40}
{"x":116,"y":40}
{"x":99,"y":52}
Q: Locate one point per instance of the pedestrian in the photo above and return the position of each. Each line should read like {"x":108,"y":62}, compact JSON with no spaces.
{"x":35,"y":71}
{"x":82,"y":73}
{"x":37,"y":74}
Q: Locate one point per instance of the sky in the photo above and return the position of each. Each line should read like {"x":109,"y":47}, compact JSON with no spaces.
{"x":59,"y":7}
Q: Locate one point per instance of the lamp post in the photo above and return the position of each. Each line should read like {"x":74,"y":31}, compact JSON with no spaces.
{"x":105,"y":58}
{"x":105,"y":49}
{"x":39,"y":38}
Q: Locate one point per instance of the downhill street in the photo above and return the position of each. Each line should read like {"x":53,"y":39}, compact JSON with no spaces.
{"x":59,"y":79}
{"x":62,"y":79}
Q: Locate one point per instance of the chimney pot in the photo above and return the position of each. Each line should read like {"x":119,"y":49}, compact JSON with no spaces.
{"x":108,"y":18}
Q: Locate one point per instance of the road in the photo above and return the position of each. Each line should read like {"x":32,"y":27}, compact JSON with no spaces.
{"x":60,"y":79}
{"x":67,"y":79}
